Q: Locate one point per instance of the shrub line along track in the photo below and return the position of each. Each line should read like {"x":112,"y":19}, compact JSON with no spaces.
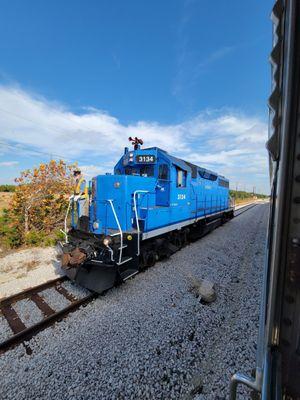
{"x":21,"y":333}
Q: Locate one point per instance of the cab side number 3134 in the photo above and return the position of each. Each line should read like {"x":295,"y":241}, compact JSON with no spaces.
{"x":181,"y":197}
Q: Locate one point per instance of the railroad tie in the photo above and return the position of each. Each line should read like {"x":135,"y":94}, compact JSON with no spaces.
{"x":14,"y":321}
{"x":42,"y":305}
{"x":60,"y":289}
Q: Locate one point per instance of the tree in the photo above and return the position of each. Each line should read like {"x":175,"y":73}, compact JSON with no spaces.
{"x":41,"y":198}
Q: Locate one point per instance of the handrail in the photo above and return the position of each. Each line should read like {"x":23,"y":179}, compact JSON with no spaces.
{"x":111,"y":253}
{"x":136,"y":217}
{"x":119,"y":227}
{"x":196,"y":200}
{"x":66,"y":223}
{"x":241,"y":379}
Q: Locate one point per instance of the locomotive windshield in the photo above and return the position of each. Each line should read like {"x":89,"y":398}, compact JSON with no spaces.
{"x":143,"y":170}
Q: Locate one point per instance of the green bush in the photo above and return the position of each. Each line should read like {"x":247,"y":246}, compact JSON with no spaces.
{"x":10,"y":235}
{"x":242,"y":195}
{"x":7,"y":188}
{"x":34,"y":238}
{"x":56,"y":236}
{"x":59,"y":236}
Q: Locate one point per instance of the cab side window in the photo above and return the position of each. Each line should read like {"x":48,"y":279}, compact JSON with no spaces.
{"x":181,"y":177}
{"x":163,"y":172}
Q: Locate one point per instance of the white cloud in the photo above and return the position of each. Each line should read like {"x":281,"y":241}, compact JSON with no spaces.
{"x":89,"y":171}
{"x":225,"y":140}
{"x":214,"y":56}
{"x":8,"y":163}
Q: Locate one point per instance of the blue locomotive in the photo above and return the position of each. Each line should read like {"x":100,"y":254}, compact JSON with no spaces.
{"x":151,"y":206}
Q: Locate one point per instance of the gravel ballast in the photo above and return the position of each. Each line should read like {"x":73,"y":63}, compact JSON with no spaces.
{"x":28,"y":312}
{"x":5,"y":331}
{"x":54,"y":299}
{"x":76,"y":291}
{"x":152,"y":338}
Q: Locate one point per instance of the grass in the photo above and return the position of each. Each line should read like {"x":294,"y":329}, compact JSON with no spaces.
{"x":243,"y":201}
{"x":5,"y":199}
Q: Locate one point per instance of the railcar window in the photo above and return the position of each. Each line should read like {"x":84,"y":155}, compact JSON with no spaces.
{"x":223,"y":183}
{"x":181,"y":177}
{"x":163,"y":172}
{"x":147,"y":170}
{"x":131,"y":171}
{"x":194,"y":169}
{"x":207,"y":175}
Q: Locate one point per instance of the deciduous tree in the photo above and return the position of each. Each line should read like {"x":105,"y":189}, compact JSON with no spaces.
{"x":41,"y":198}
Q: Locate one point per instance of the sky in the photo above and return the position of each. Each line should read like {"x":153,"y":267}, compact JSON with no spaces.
{"x":77,"y":78}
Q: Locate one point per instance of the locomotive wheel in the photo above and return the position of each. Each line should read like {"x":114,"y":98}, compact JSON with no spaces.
{"x":151,"y":258}
{"x":178,"y":241}
{"x":183,"y":238}
{"x":143,"y":260}
{"x":148,"y":259}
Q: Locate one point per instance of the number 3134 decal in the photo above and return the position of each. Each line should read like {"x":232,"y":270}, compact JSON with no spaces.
{"x":181,"y":197}
{"x":145,"y":159}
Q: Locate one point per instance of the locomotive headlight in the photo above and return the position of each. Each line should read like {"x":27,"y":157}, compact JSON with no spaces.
{"x":107,"y":241}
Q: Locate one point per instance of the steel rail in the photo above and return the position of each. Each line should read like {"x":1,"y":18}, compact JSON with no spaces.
{"x":34,"y":289}
{"x":244,"y":209}
{"x":23,"y":333}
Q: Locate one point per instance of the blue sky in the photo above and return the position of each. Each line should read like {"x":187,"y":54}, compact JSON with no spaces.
{"x":78,"y":77}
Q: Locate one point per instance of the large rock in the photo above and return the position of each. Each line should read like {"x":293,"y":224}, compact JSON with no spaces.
{"x":204,"y":289}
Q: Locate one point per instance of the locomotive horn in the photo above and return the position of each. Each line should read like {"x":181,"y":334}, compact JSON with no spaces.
{"x":136,"y":142}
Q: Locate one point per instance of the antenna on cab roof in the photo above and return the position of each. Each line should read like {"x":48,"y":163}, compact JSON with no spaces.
{"x":136,"y":142}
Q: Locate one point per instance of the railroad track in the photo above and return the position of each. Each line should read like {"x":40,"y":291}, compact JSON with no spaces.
{"x":244,"y":209}
{"x":22,"y":333}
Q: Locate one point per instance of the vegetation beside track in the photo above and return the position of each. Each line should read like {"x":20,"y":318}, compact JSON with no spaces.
{"x":242,"y":197}
{"x":7,"y":188}
{"x":5,"y":200}
{"x":33,"y":211}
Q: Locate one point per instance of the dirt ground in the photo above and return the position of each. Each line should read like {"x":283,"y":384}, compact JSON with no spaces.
{"x":239,"y":202}
{"x":22,"y":269}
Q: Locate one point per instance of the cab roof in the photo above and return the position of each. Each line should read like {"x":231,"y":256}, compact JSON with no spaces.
{"x":186,"y":165}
